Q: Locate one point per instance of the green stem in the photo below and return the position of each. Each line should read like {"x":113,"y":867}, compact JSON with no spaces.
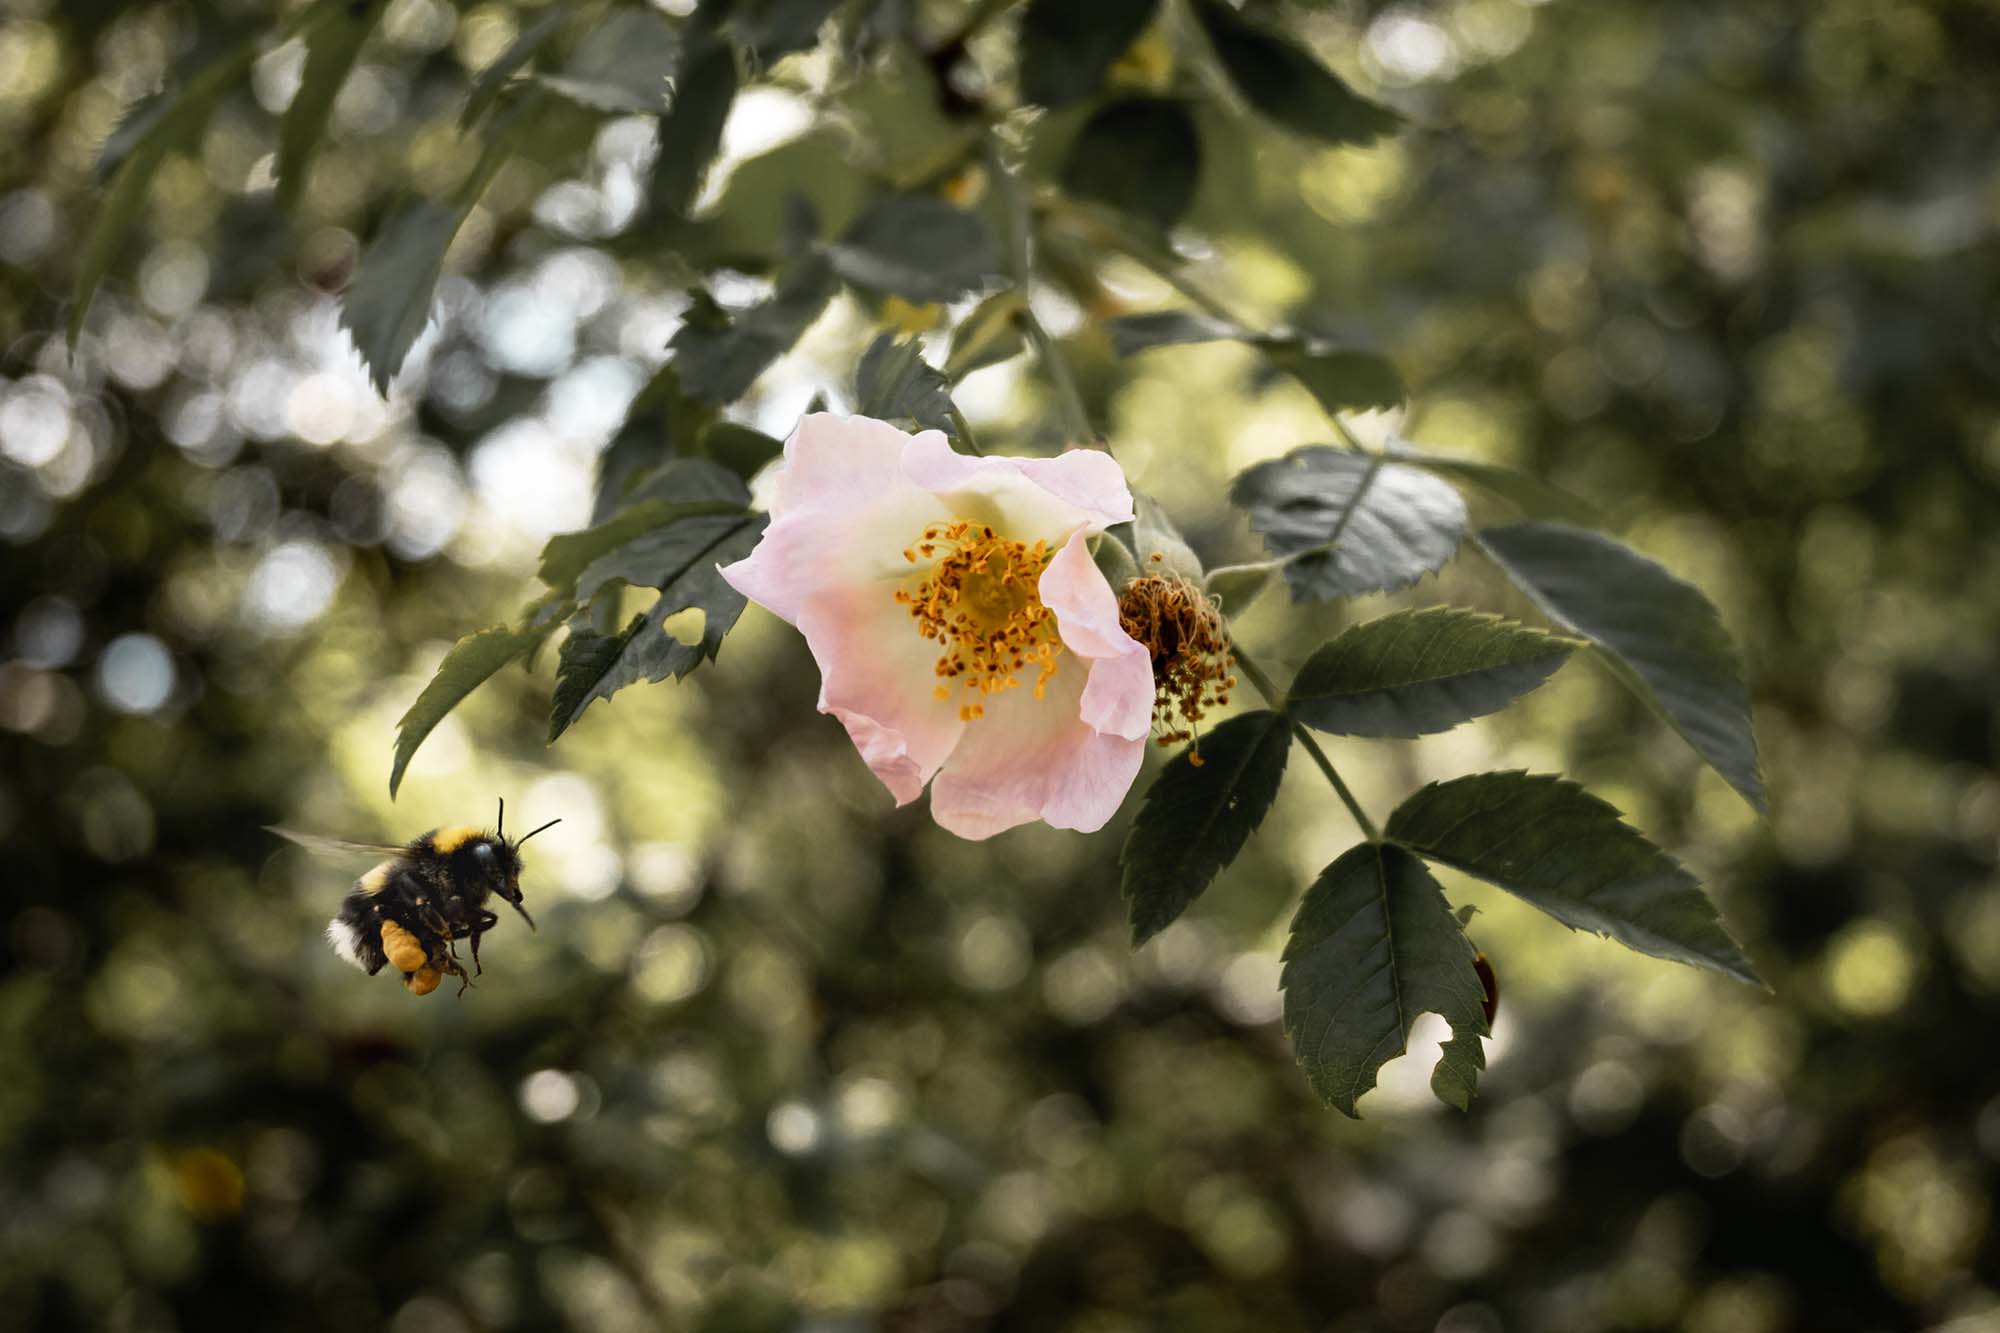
{"x":1269,"y":690}
{"x":1020,"y":268}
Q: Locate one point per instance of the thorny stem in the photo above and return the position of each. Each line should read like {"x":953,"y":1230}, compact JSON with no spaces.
{"x":1270,"y":691}
{"x":1015,"y":210}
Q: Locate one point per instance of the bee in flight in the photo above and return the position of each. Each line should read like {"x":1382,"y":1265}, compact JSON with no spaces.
{"x":410,"y":911}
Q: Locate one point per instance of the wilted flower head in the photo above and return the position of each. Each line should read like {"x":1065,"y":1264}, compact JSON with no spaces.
{"x":1188,"y":649}
{"x":962,"y":631}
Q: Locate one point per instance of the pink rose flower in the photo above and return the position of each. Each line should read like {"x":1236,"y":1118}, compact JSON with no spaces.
{"x":962,"y":631}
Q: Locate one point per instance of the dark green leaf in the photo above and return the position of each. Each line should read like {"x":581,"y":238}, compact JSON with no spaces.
{"x":1374,"y":944}
{"x":691,"y":132}
{"x":331,"y":47}
{"x":471,"y":662}
{"x":1235,"y":587}
{"x":1197,"y":817}
{"x":1286,"y":83}
{"x":772,"y":29}
{"x":622,"y":64}
{"x":1140,"y":156}
{"x":1661,"y":636}
{"x":568,"y":554}
{"x":389,"y":303}
{"x":894,"y":383}
{"x":740,"y":448}
{"x":1343,"y":379}
{"x":1412,"y":673}
{"x":594,"y":666}
{"x":916,"y":247}
{"x":662,"y":553}
{"x":1530,"y":494}
{"x":1067,"y":46}
{"x":1554,"y":845}
{"x":1350,"y":523}
{"x":169,"y":122}
{"x":720,"y":356}
{"x":492,"y":80}
{"x":986,"y":337}
{"x":1132,"y":334}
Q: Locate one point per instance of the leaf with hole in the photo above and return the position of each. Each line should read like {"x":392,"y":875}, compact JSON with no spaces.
{"x":1287,"y":83}
{"x":1198,"y":814}
{"x":1348,"y":523}
{"x":1373,"y":945}
{"x":1412,"y":673}
{"x":1552,"y":844}
{"x":1068,"y":46}
{"x":1659,"y":634}
{"x":472,"y":661}
{"x":1141,"y":156}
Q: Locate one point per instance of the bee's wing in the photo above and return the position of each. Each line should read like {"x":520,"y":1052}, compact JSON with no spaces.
{"x":335,"y":847}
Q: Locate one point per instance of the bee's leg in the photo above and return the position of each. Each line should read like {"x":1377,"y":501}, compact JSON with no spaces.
{"x":486,"y":922}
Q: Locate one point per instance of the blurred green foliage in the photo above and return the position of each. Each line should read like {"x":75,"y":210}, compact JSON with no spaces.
{"x":781,"y":1058}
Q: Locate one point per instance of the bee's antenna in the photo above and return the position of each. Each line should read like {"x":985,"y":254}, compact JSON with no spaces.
{"x":532,"y":832}
{"x":500,"y":821}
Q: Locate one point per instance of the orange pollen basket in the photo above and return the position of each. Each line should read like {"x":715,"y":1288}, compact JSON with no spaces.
{"x":980,"y":601}
{"x":1192,"y":665}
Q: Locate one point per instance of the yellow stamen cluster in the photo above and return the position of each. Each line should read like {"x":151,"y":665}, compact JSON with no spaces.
{"x":979,"y":601}
{"x":1192,"y":665}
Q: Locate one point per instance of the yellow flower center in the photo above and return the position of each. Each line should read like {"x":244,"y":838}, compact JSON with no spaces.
{"x":980,"y":601}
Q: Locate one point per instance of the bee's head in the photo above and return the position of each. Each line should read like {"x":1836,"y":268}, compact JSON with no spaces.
{"x":500,"y":861}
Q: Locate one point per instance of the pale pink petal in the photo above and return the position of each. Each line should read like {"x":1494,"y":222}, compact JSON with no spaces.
{"x":1026,"y":498}
{"x":1031,"y":759}
{"x":1119,"y":696}
{"x":877,"y":676}
{"x":842,"y":513}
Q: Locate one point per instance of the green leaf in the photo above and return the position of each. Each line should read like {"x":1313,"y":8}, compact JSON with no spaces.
{"x":986,"y":337}
{"x":1528,"y":493}
{"x":594,"y":666}
{"x":1349,"y":523}
{"x":1374,"y":944}
{"x":332,"y":44}
{"x":470,"y":663}
{"x":622,"y":64}
{"x":916,"y":247}
{"x":389,"y":303}
{"x":1554,"y":845}
{"x":1341,"y":378}
{"x":719,"y":356}
{"x":691,"y":132}
{"x":1141,"y":156}
{"x":1068,"y":46}
{"x":1235,"y":587}
{"x":1287,"y":84}
{"x":492,"y":80}
{"x":1154,"y":534}
{"x":894,"y":383}
{"x":742,"y":449}
{"x":661,"y":554}
{"x":1198,"y":815}
{"x":157,"y":127}
{"x":1132,"y":334}
{"x":773,"y":29}
{"x":1413,"y":673}
{"x":1660,"y":635}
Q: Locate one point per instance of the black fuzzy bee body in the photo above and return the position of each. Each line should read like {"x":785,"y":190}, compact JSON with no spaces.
{"x":410,"y":910}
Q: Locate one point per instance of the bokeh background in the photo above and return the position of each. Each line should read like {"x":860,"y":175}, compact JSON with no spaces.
{"x":784,"y":1058}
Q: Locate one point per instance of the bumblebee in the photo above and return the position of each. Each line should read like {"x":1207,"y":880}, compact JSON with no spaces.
{"x":412,"y":908}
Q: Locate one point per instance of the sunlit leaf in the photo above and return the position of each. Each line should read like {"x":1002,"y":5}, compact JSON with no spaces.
{"x":1141,"y":156}
{"x":1067,"y":46}
{"x":1198,"y":814}
{"x":1412,"y":673}
{"x":1554,"y":845}
{"x":895,"y":383}
{"x":720,"y":355}
{"x":1373,"y":945}
{"x":332,"y":43}
{"x":594,"y":666}
{"x":1349,"y":523}
{"x":1660,"y":635}
{"x":472,"y":661}
{"x":1287,"y":83}
{"x":916,"y":247}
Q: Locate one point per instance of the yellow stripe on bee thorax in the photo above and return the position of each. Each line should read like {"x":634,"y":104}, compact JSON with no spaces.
{"x":449,"y":840}
{"x":377,"y":879}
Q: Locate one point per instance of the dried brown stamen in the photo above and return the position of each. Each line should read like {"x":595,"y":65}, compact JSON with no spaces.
{"x":1193,"y":670}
